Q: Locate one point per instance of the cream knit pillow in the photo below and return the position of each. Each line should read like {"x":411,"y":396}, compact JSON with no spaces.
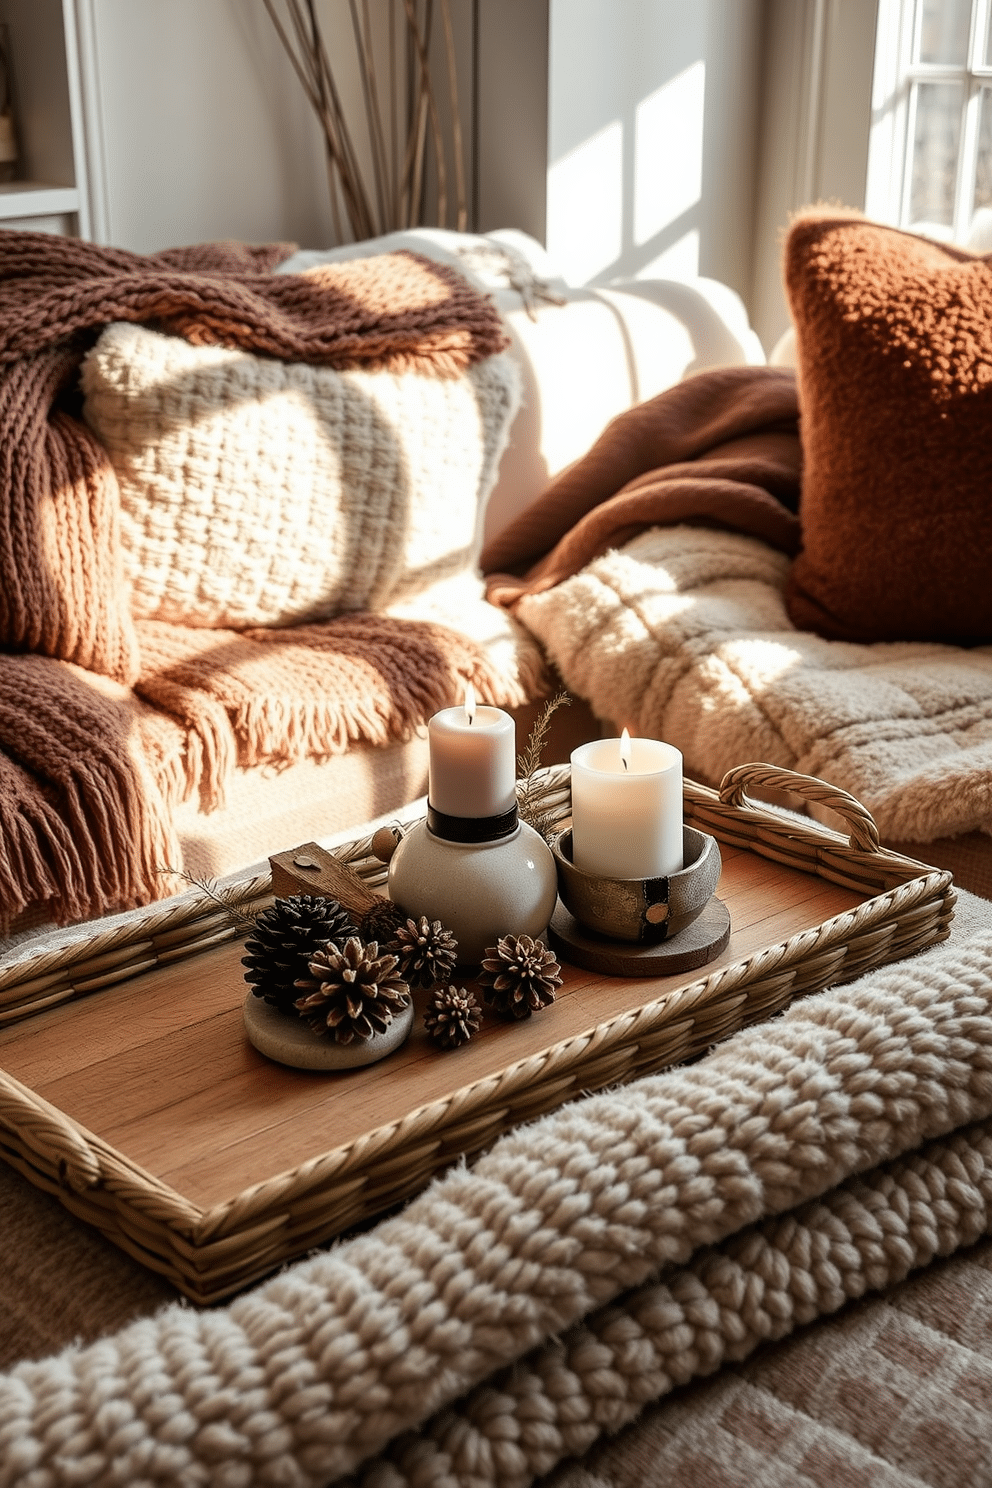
{"x":260,"y":492}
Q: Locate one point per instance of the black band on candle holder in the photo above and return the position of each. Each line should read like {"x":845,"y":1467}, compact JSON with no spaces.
{"x":471,"y":828}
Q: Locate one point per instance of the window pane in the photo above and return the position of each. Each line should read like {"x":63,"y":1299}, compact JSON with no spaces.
{"x":983,"y":172}
{"x":935,"y":152}
{"x":944,"y":26}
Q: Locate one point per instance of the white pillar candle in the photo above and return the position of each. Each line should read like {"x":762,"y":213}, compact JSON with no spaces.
{"x":473,"y":760}
{"x":627,"y":817}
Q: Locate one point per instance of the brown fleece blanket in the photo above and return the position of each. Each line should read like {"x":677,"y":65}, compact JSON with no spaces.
{"x":88,"y":770}
{"x":721,"y":449}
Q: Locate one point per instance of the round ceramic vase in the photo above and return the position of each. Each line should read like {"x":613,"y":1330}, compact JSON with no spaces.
{"x":478,"y":890}
{"x":290,"y":1040}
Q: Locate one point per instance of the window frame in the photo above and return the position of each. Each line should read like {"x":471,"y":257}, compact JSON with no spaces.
{"x":893,"y":115}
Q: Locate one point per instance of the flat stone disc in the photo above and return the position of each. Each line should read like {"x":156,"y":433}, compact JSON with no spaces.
{"x":290,"y":1041}
{"x":698,"y":943}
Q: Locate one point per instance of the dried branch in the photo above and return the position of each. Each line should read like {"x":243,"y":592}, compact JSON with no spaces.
{"x":529,"y":763}
{"x":456,"y":118}
{"x":396,"y":198}
{"x":228,"y":900}
{"x":422,"y":43}
{"x":362,"y":30}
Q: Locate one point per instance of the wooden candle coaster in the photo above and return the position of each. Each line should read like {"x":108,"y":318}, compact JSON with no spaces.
{"x":698,"y":943}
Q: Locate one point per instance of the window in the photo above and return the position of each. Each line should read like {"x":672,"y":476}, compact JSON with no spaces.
{"x":930,"y":148}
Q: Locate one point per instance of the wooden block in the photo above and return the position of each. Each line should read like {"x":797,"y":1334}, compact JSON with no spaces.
{"x":311,"y":869}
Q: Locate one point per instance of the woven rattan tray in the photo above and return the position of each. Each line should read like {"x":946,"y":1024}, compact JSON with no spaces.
{"x":144,"y":1108}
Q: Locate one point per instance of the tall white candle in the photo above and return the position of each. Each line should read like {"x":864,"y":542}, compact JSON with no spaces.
{"x":627,"y":815}
{"x":473,"y":760}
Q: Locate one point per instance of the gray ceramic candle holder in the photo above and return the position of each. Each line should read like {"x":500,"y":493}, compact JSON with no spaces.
{"x":646,"y":910}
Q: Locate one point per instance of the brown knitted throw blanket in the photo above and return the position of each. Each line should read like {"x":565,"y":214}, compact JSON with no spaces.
{"x":89,"y":771}
{"x":721,"y":449}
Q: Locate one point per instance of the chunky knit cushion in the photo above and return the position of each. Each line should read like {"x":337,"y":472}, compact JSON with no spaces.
{"x":261,"y":492}
{"x":894,"y":355}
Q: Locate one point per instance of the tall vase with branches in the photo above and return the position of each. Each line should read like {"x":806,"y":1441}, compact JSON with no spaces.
{"x":406,"y":131}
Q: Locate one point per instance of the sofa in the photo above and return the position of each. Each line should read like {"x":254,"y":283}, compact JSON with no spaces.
{"x":305,"y":584}
{"x":669,"y":591}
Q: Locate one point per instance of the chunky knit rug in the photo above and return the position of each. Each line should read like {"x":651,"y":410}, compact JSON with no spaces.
{"x":683,"y":634}
{"x":587,"y":1266}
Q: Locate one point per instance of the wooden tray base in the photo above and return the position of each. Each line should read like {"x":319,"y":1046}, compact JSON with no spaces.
{"x":698,"y":943}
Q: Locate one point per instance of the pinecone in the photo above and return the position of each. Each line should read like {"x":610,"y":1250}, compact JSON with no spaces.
{"x":381,"y":921}
{"x":519,"y":976}
{"x":427,"y":951}
{"x":283,"y":939}
{"x":351,"y":993}
{"x":452,"y":1016}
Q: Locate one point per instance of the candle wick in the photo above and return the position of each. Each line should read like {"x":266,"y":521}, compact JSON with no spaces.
{"x":623,"y":762}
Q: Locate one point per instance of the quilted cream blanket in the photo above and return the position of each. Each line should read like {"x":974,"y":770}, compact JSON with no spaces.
{"x":682,"y":634}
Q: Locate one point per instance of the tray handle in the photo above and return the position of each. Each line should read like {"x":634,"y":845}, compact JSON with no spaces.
{"x":860,"y":822}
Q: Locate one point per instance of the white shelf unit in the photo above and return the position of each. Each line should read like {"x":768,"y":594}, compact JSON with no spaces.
{"x":50,"y":192}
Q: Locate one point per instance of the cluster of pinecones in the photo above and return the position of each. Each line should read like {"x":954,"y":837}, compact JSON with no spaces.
{"x":306,"y":955}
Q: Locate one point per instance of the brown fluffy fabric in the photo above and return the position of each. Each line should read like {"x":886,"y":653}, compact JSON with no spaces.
{"x":721,"y":449}
{"x":894,"y":339}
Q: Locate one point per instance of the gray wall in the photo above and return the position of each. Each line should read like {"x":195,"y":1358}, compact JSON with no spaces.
{"x":651,"y":137}
{"x":635,"y":137}
{"x":200,"y":129}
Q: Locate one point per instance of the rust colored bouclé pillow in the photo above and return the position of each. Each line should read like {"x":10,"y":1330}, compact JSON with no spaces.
{"x":894,"y":357}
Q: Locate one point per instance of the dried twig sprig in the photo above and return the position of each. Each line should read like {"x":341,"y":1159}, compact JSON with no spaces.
{"x":427,"y":951}
{"x":231,"y":901}
{"x":452,"y":1016}
{"x":528,"y":764}
{"x":519,"y":976}
{"x":351,"y":993}
{"x":283,"y":939}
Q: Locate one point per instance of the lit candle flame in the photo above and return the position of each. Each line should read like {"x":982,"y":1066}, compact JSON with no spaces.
{"x":625,"y":749}
{"x":470,"y":702}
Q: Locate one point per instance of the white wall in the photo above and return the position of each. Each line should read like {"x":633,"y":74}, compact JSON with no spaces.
{"x":197,"y":128}
{"x":652,"y":120}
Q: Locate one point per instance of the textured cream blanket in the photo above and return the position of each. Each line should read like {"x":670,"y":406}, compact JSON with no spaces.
{"x":490,"y":1329}
{"x":683,"y":635}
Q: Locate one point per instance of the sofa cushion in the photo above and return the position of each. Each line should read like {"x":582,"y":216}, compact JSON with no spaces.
{"x":894,"y":355}
{"x":261,"y":492}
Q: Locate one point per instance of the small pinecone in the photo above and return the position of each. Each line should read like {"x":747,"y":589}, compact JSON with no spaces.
{"x":352,"y":993}
{"x":452,"y":1016}
{"x":519,"y":976}
{"x":283,"y":939}
{"x":427,"y":951}
{"x":381,"y":921}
